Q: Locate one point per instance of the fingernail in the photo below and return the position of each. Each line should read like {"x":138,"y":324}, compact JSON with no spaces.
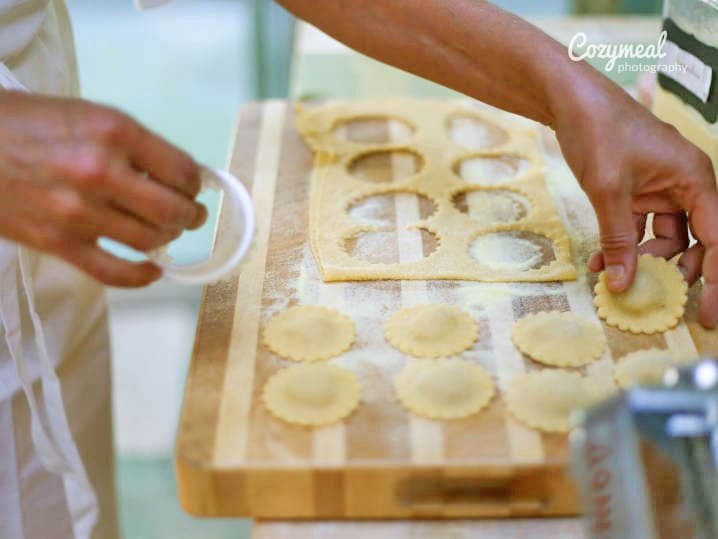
{"x":615,"y":274}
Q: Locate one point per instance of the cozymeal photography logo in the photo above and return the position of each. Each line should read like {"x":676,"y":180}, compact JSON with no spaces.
{"x":661,"y":56}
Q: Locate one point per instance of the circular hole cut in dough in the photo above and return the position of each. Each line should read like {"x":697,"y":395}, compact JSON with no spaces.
{"x":513,"y":250}
{"x":492,"y":206}
{"x":312,"y":394}
{"x":546,"y":399}
{"x":431,"y":331}
{"x":373,"y":129}
{"x":559,"y":339}
{"x":444,"y":388}
{"x":309,"y":333}
{"x":381,"y":210}
{"x":654,"y":303}
{"x":475,"y":133}
{"x":491,"y":169}
{"x":646,"y":367}
{"x":381,"y":247}
{"x":382,"y":166}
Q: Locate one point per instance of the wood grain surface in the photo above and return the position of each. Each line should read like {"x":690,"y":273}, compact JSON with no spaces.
{"x":234,"y":459}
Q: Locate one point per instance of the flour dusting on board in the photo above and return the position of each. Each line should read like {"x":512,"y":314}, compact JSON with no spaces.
{"x":277,"y":296}
{"x":492,"y":207}
{"x":504,"y":251}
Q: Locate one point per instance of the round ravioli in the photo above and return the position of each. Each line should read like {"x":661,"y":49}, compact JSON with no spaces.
{"x":431,"y":331}
{"x":545,"y":399}
{"x":444,"y":388}
{"x":312,"y":394}
{"x":309,"y":333}
{"x":646,"y":367}
{"x":654,"y":302}
{"x":560,"y":339}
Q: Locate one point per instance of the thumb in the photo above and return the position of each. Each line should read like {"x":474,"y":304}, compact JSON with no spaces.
{"x":618,"y":240}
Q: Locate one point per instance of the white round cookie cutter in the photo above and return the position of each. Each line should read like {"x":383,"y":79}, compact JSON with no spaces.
{"x":235,"y":240}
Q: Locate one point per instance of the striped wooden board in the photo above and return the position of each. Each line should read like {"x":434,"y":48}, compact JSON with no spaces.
{"x":234,"y":459}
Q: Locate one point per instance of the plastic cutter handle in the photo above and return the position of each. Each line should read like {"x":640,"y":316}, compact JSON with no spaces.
{"x":234,"y":242}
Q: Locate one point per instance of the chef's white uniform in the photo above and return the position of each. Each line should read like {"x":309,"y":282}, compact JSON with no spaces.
{"x":56,"y":464}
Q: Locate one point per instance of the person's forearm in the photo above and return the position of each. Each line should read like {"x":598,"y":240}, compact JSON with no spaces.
{"x":468,"y":45}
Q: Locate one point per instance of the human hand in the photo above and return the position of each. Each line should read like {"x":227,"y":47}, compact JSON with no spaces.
{"x":72,"y":172}
{"x":631,"y":164}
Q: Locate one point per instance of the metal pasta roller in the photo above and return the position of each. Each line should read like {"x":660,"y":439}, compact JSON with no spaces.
{"x":646,"y":461}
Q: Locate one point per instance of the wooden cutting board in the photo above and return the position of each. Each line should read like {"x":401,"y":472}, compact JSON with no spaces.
{"x":234,"y":459}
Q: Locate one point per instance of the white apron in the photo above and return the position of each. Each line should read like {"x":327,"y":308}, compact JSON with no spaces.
{"x":56,"y":463}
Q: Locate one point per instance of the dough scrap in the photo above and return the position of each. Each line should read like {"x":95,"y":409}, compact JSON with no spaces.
{"x":309,"y":333}
{"x":559,"y":339}
{"x":654,"y":303}
{"x":444,"y":388}
{"x":431,"y":331}
{"x":312,"y":394}
{"x":646,"y":367}
{"x":545,"y":399}
{"x":334,"y":188}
